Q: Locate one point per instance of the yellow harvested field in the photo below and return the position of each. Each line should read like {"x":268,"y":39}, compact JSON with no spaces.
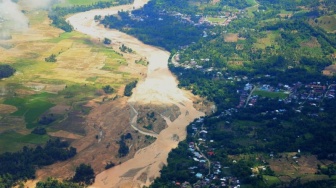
{"x":7,"y":109}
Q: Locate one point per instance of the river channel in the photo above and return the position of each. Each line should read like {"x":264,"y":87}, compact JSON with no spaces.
{"x":159,"y":87}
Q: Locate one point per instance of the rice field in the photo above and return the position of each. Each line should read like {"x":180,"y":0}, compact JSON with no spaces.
{"x":83,"y":66}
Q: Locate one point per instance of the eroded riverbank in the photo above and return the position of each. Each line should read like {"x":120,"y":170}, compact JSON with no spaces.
{"x":159,"y":88}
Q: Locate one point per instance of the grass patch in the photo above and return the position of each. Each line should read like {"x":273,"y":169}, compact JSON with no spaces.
{"x":251,"y":2}
{"x":12,"y":141}
{"x":142,"y":62}
{"x":31,"y":107}
{"x":271,"y":180}
{"x":327,"y":23}
{"x":216,"y":20}
{"x":92,"y":79}
{"x":31,"y":70}
{"x":269,"y":94}
{"x":269,"y":40}
{"x":250,"y":11}
{"x":37,"y":17}
{"x":67,"y":35}
{"x":78,"y":92}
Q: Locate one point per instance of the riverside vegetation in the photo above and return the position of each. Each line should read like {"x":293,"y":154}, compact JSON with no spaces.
{"x":260,"y":43}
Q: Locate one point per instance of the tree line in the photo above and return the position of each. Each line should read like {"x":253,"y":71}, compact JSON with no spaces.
{"x":22,"y":165}
{"x":58,"y":13}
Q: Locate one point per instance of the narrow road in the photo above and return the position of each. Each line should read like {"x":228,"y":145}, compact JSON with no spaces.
{"x":248,"y":98}
{"x":133,"y":124}
{"x":208,"y":161}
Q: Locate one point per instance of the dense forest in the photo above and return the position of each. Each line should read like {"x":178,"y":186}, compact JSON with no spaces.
{"x":58,"y":13}
{"x":153,"y":27}
{"x":22,"y":165}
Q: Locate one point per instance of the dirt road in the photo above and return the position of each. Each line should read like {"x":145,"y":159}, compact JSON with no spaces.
{"x":159,"y":88}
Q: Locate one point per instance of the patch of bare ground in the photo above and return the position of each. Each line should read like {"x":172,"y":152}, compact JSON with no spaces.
{"x":215,"y":2}
{"x":150,"y":117}
{"x":235,"y":63}
{"x":290,"y":167}
{"x":50,"y":88}
{"x":13,"y":123}
{"x":103,"y":128}
{"x":65,"y":134}
{"x":231,"y":37}
{"x":24,"y":92}
{"x":330,"y":70}
{"x":201,"y":104}
{"x":286,"y":15}
{"x":73,"y":122}
{"x":59,"y":109}
{"x":7,"y":109}
{"x":313,"y":42}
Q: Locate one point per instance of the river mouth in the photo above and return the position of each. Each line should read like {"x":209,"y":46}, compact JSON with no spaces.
{"x":159,"y":88}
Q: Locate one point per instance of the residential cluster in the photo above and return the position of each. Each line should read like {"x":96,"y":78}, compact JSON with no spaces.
{"x":206,"y":171}
{"x":298,"y":94}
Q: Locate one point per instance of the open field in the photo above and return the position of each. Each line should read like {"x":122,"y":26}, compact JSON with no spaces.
{"x":216,"y":20}
{"x":7,"y":109}
{"x":38,"y":88}
{"x":231,"y":37}
{"x":328,"y":23}
{"x":271,"y":180}
{"x":288,"y":167}
{"x":267,"y":41}
{"x":268,"y":94}
{"x":13,"y":141}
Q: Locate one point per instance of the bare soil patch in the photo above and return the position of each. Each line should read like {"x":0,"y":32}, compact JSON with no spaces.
{"x":7,"y":109}
{"x":98,"y":146}
{"x":215,"y":2}
{"x":65,"y":134}
{"x":59,"y":109}
{"x":311,"y":43}
{"x":12,"y":123}
{"x":330,"y":70}
{"x":74,"y":122}
{"x":24,"y":92}
{"x":50,"y":88}
{"x":231,"y":37}
{"x":288,"y":167}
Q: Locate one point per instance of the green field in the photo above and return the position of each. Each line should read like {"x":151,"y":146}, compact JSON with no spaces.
{"x":328,"y":23}
{"x":268,"y":94}
{"x":13,"y":141}
{"x":31,"y":107}
{"x":216,"y":20}
{"x":271,"y":180}
{"x":251,"y":2}
{"x":267,"y":41}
